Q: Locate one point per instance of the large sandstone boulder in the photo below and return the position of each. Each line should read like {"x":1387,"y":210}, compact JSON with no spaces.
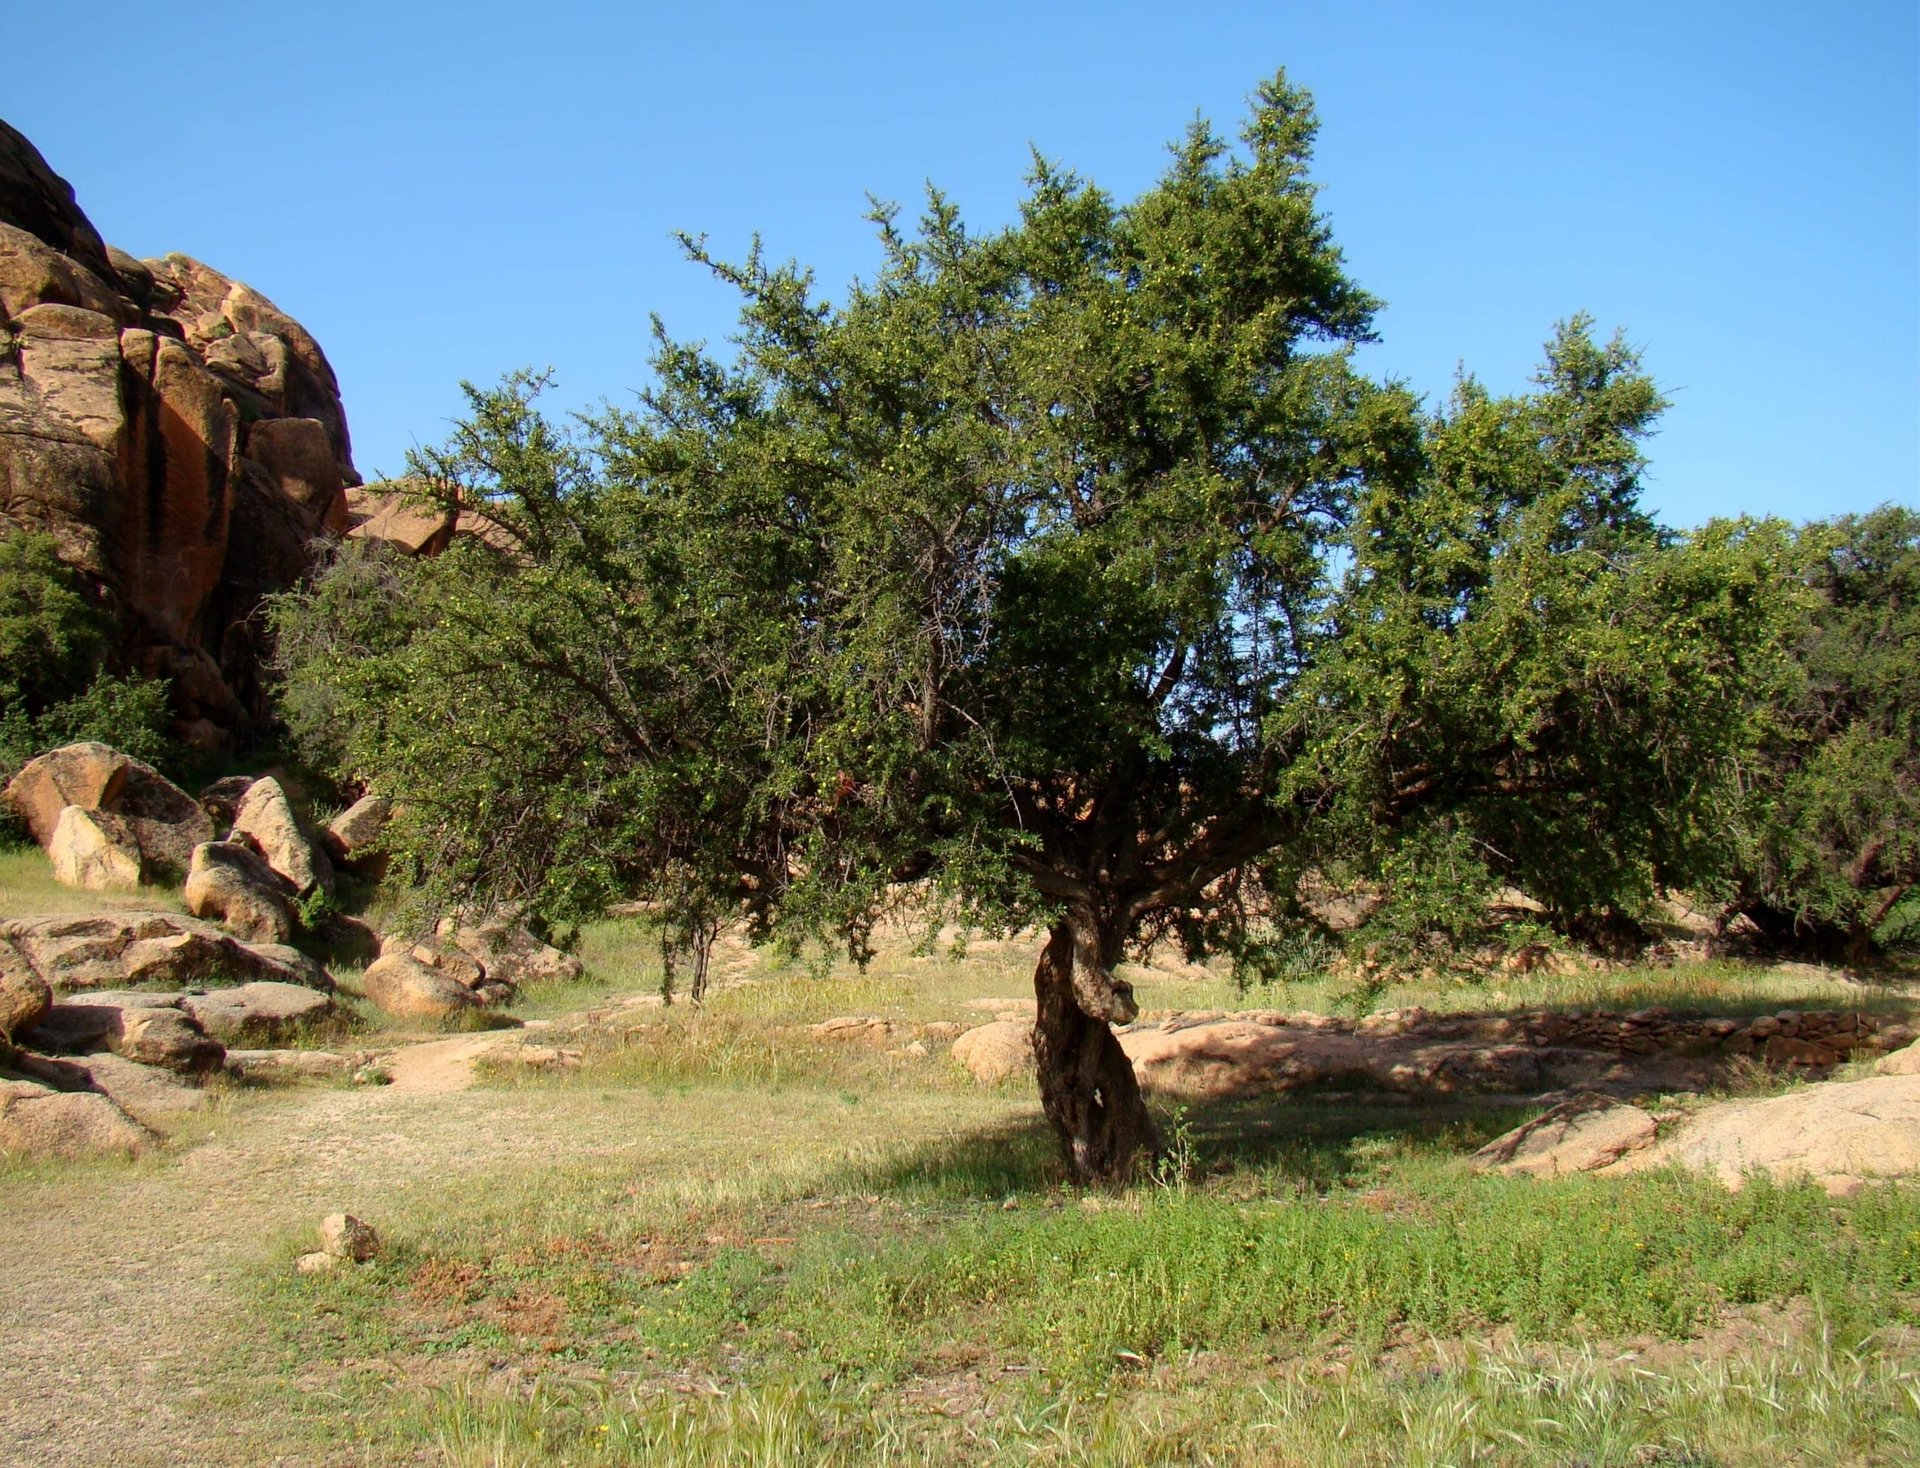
{"x":996,"y":1051}
{"x":40,"y":1122}
{"x":110,"y":950}
{"x":87,"y":775}
{"x":146,"y":1032}
{"x":38,"y":201}
{"x":266,"y":821}
{"x":94,"y":850}
{"x":155,"y":817}
{"x":349,"y":834}
{"x":231,"y":883}
{"x":404,"y":986}
{"x":1840,"y":1135}
{"x":179,"y":436}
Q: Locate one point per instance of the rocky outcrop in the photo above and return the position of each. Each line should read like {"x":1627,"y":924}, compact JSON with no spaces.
{"x":231,"y":883}
{"x":118,"y":950}
{"x":1583,"y":1134}
{"x":1211,"y":1055}
{"x":1841,"y":1136}
{"x":154,"y":818}
{"x":179,"y":436}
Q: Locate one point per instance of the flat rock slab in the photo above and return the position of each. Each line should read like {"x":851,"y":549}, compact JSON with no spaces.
{"x":1224,"y":1059}
{"x":292,"y":1065}
{"x":1583,"y":1134}
{"x":1840,"y":1135}
{"x":145,"y":1092}
{"x":264,"y":1010}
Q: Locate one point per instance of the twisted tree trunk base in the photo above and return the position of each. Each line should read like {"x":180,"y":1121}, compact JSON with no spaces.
{"x":1087,"y":1087}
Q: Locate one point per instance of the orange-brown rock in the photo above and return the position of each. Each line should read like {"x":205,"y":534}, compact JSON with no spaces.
{"x":392,"y":515}
{"x":164,"y":822}
{"x":89,"y":775}
{"x":178,"y":435}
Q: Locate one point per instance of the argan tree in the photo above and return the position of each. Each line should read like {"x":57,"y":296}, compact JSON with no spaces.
{"x":995,"y":584}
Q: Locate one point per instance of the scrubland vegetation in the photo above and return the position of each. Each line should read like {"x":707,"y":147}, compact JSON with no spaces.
{"x":1061,"y":621}
{"x":836,"y":1254}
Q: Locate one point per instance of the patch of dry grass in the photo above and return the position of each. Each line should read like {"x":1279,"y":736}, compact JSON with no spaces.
{"x":28,"y":889}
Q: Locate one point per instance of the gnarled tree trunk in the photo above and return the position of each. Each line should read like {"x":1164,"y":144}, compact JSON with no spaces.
{"x":1086,"y":1081}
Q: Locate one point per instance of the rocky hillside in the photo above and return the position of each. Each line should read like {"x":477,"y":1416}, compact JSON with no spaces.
{"x":178,"y":435}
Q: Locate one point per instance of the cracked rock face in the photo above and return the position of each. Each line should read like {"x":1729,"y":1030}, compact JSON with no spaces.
{"x":178,"y":435}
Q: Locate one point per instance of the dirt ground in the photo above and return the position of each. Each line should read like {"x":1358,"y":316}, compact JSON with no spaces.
{"x":122,"y":1288}
{"x":127,"y":1291}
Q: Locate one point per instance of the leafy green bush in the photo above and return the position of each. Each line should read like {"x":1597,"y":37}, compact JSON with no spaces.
{"x":56,"y":680}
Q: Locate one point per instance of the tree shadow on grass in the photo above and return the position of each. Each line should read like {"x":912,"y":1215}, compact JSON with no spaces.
{"x":1295,"y":1140}
{"x":1319,"y":1141}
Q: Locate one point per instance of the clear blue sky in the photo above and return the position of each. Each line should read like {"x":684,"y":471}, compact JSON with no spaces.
{"x":443,"y":191}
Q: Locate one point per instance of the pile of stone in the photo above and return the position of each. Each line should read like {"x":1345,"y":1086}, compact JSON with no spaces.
{"x":106,"y":821}
{"x":463,"y":966}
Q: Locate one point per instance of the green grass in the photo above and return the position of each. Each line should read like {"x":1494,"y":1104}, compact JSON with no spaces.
{"x":1806,"y":1401}
{"x":1723,"y":986}
{"x":822,"y":1309}
{"x":28,"y":889}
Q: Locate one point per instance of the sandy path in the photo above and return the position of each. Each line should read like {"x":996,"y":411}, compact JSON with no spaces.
{"x":119,"y":1287}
